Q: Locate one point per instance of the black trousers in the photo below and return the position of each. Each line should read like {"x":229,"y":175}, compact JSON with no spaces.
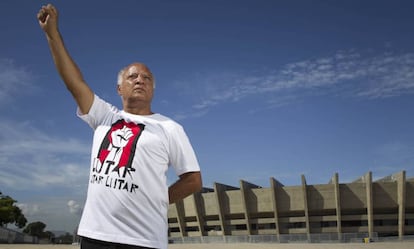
{"x":87,"y":243}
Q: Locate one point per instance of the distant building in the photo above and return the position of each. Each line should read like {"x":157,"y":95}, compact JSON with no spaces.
{"x":332,"y":212}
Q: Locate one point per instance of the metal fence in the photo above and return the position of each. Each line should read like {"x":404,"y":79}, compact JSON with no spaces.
{"x":11,"y":237}
{"x":282,"y":238}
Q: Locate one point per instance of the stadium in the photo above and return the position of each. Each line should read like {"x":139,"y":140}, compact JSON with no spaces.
{"x":334,"y":212}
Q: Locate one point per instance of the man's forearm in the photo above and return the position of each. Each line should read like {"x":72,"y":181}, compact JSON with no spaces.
{"x":188,"y":184}
{"x":69,"y":71}
{"x":65,"y":66}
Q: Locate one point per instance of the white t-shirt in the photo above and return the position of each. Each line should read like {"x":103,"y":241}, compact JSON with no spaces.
{"x":127,"y":199}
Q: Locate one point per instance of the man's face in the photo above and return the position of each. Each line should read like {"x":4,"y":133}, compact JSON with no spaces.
{"x":137,"y":83}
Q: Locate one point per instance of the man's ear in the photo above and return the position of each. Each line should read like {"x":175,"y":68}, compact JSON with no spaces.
{"x":118,"y":88}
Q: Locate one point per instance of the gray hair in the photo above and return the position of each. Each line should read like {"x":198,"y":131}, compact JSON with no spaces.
{"x":120,"y":76}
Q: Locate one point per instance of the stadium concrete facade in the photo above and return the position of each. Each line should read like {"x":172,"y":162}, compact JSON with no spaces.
{"x":379,"y":208}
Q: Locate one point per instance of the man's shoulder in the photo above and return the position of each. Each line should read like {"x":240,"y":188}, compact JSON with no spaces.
{"x":100,"y":103}
{"x":164,"y":119}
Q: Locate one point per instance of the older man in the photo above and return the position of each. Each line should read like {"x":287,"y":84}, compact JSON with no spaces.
{"x":128,"y":196}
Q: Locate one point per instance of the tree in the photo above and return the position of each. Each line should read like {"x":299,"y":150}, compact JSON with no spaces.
{"x":10,"y":213}
{"x":67,"y":238}
{"x":37,"y":229}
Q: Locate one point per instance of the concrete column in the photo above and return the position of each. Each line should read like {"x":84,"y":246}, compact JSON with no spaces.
{"x":273,"y":185}
{"x":305,"y":206}
{"x":199,"y":213}
{"x":335,"y":182}
{"x":370,"y":211}
{"x":401,"y":204}
{"x":245,"y":188}
{"x":219,"y":190}
{"x":179,"y":206}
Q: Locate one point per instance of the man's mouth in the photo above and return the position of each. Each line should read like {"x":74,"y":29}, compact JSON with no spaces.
{"x":138,"y":89}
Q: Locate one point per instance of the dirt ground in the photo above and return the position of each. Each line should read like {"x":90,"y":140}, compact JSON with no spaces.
{"x":375,"y":245}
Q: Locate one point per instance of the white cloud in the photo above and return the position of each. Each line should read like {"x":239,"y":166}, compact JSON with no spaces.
{"x":74,"y":207}
{"x":345,"y":73}
{"x":51,"y":211}
{"x":29,"y":209}
{"x":33,"y":159}
{"x":13,"y":78}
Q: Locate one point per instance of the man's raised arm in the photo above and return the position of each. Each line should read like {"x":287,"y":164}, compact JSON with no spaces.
{"x":66,"y":67}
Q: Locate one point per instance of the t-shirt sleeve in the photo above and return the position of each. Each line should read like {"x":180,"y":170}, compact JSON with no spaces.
{"x":97,"y":113}
{"x":182,"y":155}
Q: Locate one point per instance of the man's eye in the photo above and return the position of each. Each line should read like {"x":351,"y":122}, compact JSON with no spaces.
{"x":132,"y":76}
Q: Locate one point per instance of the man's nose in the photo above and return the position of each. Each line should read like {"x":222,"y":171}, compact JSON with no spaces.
{"x":139,"y":79}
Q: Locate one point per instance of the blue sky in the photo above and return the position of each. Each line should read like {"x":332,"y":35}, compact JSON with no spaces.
{"x":263,"y":88}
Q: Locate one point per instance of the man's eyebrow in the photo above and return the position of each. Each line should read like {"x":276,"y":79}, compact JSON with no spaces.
{"x":144,"y":74}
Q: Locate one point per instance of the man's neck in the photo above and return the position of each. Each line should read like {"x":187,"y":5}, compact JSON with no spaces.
{"x":138,"y":109}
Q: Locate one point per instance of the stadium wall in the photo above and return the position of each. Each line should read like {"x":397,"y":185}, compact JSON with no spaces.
{"x":364,"y":207}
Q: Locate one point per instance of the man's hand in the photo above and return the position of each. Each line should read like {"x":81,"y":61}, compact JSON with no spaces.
{"x":47,"y":18}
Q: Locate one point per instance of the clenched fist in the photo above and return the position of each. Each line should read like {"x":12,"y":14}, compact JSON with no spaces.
{"x":47,"y":17}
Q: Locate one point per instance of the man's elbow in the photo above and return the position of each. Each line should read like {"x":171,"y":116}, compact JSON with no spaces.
{"x":193,"y":182}
{"x":197,"y":182}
